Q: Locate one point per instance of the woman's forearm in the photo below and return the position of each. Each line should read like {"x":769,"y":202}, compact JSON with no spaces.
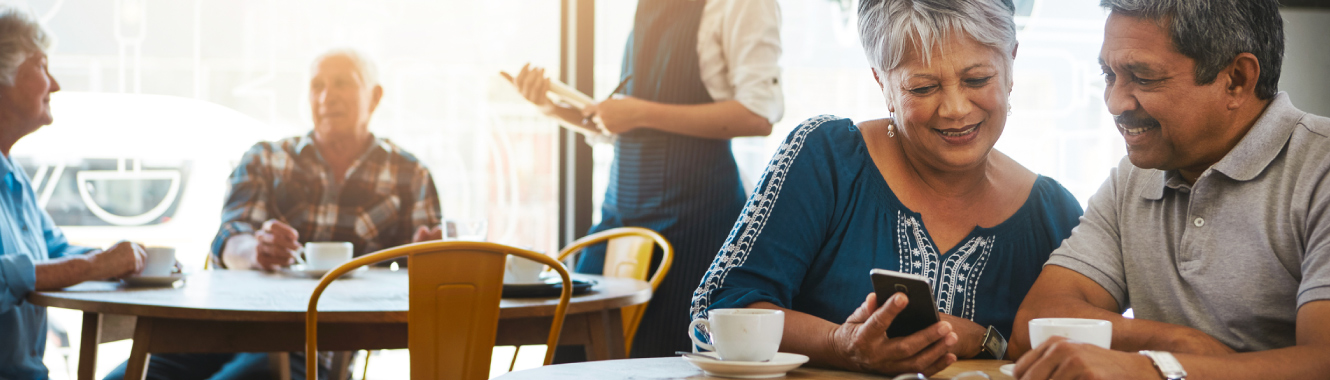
{"x":720,"y":120}
{"x":807,"y":335}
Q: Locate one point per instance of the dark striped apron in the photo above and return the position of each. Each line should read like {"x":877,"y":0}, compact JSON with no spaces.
{"x":686,"y":188}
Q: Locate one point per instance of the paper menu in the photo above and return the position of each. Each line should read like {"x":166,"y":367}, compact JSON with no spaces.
{"x":560,"y":92}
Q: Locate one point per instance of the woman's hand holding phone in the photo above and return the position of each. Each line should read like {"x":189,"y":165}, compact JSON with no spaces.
{"x":862,"y":343}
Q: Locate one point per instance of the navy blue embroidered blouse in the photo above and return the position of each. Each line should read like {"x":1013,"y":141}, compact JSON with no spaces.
{"x":822,"y":216}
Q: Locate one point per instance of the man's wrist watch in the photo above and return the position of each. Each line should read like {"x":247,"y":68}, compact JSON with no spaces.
{"x":994,"y":346}
{"x":1167,"y":365}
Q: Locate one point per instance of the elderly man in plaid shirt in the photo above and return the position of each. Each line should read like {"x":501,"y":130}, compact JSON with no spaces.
{"x":337,"y":183}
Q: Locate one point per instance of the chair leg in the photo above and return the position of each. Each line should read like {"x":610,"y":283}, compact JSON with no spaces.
{"x":365,"y":375}
{"x":341,"y":362}
{"x":513,"y":364}
{"x":280,"y":365}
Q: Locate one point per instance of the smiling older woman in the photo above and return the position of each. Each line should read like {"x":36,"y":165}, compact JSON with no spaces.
{"x":923,"y":192}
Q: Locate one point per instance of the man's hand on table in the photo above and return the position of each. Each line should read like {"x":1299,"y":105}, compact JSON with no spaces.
{"x":277,"y":245}
{"x":1060,"y":358}
{"x":122,"y":259}
{"x":427,"y":234}
{"x":863,"y":343}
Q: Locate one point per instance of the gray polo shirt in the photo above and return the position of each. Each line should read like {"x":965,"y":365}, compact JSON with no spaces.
{"x":1235,"y":254}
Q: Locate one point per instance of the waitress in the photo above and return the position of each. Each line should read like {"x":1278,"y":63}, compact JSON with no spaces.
{"x":702,"y":73}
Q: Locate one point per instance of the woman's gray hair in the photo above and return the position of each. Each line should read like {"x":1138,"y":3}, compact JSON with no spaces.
{"x":364,"y":66}
{"x":21,"y":36}
{"x":1212,"y":32}
{"x":888,"y":27}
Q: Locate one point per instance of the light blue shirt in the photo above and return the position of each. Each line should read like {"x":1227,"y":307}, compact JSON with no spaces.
{"x":27,"y":237}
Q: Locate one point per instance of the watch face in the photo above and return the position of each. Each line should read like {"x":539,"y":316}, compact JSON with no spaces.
{"x":994,"y":343}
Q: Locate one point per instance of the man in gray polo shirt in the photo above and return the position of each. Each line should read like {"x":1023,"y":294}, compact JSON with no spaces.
{"x":1215,"y":229}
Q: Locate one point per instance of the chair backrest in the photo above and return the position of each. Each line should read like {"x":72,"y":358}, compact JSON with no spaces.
{"x":454,"y":305}
{"x":628,"y":255}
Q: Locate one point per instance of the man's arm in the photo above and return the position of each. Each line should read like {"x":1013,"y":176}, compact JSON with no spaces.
{"x":424,"y":214}
{"x":1063,"y":293}
{"x":1309,"y":359}
{"x":246,"y":229}
{"x":122,"y":259}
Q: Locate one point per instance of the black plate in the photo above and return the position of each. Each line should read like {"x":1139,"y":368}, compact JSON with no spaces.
{"x":549,"y":289}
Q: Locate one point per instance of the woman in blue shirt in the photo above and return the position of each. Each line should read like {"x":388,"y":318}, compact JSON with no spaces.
{"x":923,"y":192}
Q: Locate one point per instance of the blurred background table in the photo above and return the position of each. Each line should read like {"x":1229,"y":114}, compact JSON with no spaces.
{"x":252,"y":311}
{"x":677,"y":368}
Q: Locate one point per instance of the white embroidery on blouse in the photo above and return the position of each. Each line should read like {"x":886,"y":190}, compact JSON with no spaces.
{"x":955,"y":279}
{"x":754,"y":216}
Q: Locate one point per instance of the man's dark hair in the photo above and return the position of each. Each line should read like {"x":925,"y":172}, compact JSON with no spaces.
{"x":1212,"y":32}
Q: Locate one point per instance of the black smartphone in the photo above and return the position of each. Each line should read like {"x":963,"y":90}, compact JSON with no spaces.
{"x":920,"y":313}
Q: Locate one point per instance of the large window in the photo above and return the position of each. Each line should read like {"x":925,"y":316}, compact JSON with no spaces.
{"x":161,"y":97}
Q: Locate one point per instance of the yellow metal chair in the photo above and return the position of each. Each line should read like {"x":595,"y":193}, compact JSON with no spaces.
{"x":454,"y":305}
{"x":628,"y":255}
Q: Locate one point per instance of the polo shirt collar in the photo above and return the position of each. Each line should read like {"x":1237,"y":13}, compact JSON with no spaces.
{"x":1249,"y":158}
{"x":1263,"y":142}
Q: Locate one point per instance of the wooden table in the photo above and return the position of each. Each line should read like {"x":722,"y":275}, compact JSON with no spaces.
{"x":677,"y":368}
{"x":252,"y":311}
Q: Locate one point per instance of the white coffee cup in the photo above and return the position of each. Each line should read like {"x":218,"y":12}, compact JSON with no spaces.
{"x":160,"y":262}
{"x":519,"y":270}
{"x":326,"y":255}
{"x":750,"y":335}
{"x":1093,"y":331}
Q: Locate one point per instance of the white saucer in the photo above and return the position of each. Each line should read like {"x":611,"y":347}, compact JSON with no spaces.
{"x":776,"y":367}
{"x":299,"y":270}
{"x":153,"y":280}
{"x":1008,"y":369}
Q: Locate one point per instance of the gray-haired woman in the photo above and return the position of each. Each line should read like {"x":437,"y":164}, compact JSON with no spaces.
{"x":923,"y":192}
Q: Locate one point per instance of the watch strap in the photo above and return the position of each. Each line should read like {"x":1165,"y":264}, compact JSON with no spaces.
{"x":1166,"y":364}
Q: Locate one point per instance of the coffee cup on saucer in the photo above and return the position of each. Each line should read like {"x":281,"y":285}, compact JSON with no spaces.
{"x":520,"y":270}
{"x":160,"y":262}
{"x":326,"y":255}
{"x":1093,"y":331}
{"x":751,"y":335}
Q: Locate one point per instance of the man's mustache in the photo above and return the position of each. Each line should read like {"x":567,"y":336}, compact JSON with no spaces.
{"x":1135,"y":119}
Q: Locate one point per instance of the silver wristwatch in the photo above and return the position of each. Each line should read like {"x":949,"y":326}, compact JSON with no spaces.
{"x":1166,"y":364}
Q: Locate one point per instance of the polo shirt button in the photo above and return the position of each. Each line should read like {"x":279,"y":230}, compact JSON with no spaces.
{"x":1198,"y":222}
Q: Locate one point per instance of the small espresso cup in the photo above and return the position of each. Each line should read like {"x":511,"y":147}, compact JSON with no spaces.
{"x":1093,"y":331}
{"x":520,"y":270}
{"x":750,"y":335}
{"x":326,"y":255}
{"x":160,"y":262}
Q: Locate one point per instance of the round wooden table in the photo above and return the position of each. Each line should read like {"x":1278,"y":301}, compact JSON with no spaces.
{"x":253,"y":311}
{"x":677,"y":368}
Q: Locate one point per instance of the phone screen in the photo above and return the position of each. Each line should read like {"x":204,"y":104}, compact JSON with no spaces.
{"x":921,"y":311}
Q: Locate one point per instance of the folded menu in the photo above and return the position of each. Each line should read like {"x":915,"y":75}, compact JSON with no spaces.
{"x":560,"y":92}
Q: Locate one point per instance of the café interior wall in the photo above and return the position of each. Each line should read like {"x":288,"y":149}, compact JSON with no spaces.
{"x":1305,"y":74}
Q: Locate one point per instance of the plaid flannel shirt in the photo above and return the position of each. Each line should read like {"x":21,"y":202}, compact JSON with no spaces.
{"x":386,"y":195}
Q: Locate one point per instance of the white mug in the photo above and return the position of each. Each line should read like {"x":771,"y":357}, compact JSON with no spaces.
{"x":520,"y":270}
{"x":1093,"y":331}
{"x":751,"y":335}
{"x":160,"y":262}
{"x":326,"y":255}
